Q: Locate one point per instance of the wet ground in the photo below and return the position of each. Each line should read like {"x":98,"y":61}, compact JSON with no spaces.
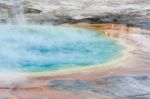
{"x":129,"y":79}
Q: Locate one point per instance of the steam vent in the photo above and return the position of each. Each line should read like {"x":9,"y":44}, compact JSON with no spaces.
{"x":74,"y":49}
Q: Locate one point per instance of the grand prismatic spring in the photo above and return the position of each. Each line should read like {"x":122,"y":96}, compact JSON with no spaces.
{"x":74,"y":49}
{"x":30,"y":48}
{"x":53,"y":48}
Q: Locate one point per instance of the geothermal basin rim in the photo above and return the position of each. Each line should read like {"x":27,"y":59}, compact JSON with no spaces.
{"x":90,"y":68}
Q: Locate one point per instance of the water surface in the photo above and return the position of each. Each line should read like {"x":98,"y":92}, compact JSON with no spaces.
{"x":38,"y":49}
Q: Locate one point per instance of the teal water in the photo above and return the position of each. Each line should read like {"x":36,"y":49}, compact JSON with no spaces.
{"x":38,"y":49}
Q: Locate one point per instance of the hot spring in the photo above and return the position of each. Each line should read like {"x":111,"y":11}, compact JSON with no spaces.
{"x":52,"y":48}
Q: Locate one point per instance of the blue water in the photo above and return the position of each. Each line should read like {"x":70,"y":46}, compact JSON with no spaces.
{"x":37,"y":49}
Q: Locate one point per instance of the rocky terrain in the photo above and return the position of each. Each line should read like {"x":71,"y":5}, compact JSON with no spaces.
{"x":116,"y":87}
{"x":134,"y":12}
{"x":125,"y":82}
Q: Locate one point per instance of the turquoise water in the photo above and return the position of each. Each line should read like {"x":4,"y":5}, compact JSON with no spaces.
{"x":37,"y":49}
